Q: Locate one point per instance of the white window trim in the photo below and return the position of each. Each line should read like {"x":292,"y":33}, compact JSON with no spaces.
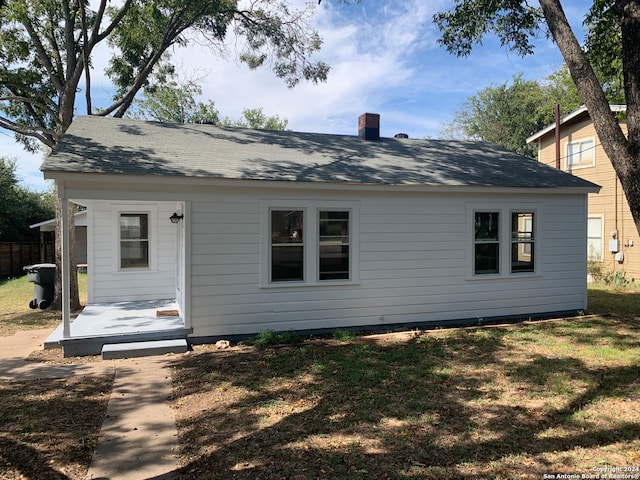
{"x":571,"y":168}
{"x":602,"y":239}
{"x":504,"y":262}
{"x":152,"y":212}
{"x":311,"y":211}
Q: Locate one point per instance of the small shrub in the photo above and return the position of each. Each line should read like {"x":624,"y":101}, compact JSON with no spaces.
{"x":617,"y":279}
{"x":594,"y":269}
{"x":289,"y":338}
{"x":343,"y":335}
{"x":269,"y":338}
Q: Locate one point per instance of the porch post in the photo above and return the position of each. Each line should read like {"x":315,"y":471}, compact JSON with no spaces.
{"x":64,"y":265}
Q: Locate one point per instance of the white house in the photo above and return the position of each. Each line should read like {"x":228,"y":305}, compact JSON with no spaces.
{"x":293,"y":231}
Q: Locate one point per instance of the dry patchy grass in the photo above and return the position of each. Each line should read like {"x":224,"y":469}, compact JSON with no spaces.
{"x":49,"y":428}
{"x":500,"y":402}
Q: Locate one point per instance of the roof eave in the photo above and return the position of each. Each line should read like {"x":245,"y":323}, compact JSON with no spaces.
{"x":90,"y":186}
{"x":568,"y":118}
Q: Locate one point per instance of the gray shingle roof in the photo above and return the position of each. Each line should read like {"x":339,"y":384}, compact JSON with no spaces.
{"x":132,"y":147}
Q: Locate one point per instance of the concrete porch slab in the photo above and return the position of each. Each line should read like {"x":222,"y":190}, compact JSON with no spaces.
{"x":120,"y":322}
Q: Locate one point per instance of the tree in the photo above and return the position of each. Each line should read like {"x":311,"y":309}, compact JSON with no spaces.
{"x":508,"y":114}
{"x":46,"y":48}
{"x":256,"y":119}
{"x":174,"y":100}
{"x":614,"y":27}
{"x":503,"y":114}
{"x":19,"y":206}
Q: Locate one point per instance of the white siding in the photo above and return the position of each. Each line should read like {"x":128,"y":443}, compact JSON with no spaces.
{"x":106,"y":282}
{"x":414,"y":264}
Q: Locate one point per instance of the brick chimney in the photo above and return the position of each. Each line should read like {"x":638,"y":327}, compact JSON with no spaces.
{"x":369,"y":126}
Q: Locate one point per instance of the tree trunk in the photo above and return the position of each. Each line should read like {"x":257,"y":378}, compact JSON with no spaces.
{"x":623,"y":152}
{"x":73,"y":263}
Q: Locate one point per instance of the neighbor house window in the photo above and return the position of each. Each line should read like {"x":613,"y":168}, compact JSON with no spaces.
{"x":287,"y":245}
{"x":594,"y":239}
{"x":581,"y":154}
{"x":522,"y":242}
{"x":333,"y":245}
{"x":487,"y":243}
{"x":134,"y":240}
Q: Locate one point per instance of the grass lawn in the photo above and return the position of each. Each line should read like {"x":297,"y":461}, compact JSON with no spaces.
{"x":15,"y":314}
{"x":500,"y":402}
{"x":49,"y":429}
{"x":507,"y":402}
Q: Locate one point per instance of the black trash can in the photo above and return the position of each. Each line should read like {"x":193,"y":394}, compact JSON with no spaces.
{"x":43,"y":276}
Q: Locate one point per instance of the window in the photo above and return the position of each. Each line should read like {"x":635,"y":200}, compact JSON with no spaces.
{"x":522,"y":242}
{"x":580,"y":154}
{"x":333,"y":245}
{"x":487,"y":243}
{"x":503,"y":240}
{"x":134,"y":240}
{"x":309,"y":243}
{"x":594,"y":239}
{"x":287,"y":245}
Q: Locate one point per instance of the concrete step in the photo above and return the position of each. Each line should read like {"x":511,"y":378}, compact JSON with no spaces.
{"x":112,"y":351}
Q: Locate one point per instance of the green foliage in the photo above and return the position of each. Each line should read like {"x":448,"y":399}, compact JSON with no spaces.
{"x":269,"y":338}
{"x":169,"y":99}
{"x":344,"y":335}
{"x":46,"y":48}
{"x":256,"y":119}
{"x":595,"y":269}
{"x":604,"y":47}
{"x":617,"y":279}
{"x":20,"y":207}
{"x":507,"y":114}
{"x":516,"y":24}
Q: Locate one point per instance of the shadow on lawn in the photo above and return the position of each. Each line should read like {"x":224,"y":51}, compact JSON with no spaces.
{"x":49,"y":428}
{"x":433,"y":406}
{"x":622,"y":304}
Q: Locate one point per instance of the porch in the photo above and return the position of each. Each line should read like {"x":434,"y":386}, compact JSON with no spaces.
{"x":117,"y":324}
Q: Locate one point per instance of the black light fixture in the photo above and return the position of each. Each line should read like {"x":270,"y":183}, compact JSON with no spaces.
{"x":175,"y":218}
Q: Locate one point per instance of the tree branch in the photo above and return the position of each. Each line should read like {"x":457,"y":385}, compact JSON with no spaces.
{"x":58,"y":82}
{"x":46,"y":136}
{"x":98,"y":37}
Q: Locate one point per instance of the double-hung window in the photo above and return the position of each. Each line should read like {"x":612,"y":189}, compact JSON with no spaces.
{"x":487,"y":243}
{"x":522,"y":242}
{"x":504,"y":242}
{"x":287,"y":245}
{"x":134,"y":240}
{"x":581,"y":154}
{"x":310,"y":244}
{"x":333,"y":245}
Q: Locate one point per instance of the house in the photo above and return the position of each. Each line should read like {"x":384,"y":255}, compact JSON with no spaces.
{"x":253,"y":230}
{"x":49,"y":227}
{"x":612,"y":235}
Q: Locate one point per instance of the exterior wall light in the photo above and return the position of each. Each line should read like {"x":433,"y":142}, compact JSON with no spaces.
{"x":175,"y":218}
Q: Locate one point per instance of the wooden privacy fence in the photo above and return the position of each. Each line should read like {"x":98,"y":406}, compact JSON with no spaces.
{"x":15,"y":256}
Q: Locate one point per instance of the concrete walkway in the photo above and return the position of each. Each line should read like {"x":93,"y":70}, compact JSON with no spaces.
{"x":138,"y":439}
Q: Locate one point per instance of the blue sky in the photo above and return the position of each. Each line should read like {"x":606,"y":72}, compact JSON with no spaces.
{"x":384,"y":59}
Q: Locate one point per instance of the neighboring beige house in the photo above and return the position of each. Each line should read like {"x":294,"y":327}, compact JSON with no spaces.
{"x":612,"y":237}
